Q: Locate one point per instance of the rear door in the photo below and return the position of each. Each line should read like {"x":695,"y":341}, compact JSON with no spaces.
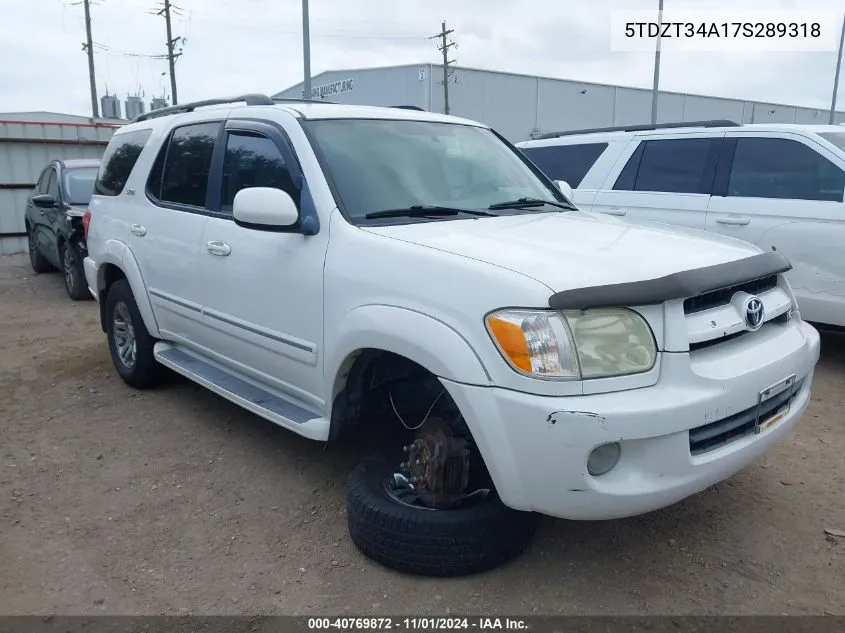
{"x":165,"y":235}
{"x":785,"y":191}
{"x":667,"y":180}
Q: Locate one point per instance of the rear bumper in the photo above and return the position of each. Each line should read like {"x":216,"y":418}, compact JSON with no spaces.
{"x":537,"y":447}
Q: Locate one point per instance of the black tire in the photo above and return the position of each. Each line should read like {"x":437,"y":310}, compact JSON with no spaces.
{"x":424,"y":542}
{"x":39,"y":263}
{"x":73,"y":271}
{"x":144,"y":371}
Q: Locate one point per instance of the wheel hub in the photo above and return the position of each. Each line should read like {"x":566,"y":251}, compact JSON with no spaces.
{"x":437,"y":466}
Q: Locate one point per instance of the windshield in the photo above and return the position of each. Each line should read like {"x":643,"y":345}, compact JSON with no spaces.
{"x":379,"y":165}
{"x":79,"y":184}
{"x":837,"y":138}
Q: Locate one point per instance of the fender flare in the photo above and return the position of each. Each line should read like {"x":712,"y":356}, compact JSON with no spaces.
{"x":117,"y":254}
{"x":418,"y":337}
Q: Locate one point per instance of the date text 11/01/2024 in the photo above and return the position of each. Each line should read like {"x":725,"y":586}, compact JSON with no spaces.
{"x":417,"y":624}
{"x":723,"y":29}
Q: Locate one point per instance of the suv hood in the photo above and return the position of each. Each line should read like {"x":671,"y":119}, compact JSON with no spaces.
{"x":575,"y":249}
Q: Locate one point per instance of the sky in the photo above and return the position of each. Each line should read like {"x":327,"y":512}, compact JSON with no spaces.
{"x":238,"y":46}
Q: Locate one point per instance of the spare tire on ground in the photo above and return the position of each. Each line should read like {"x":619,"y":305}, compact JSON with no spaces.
{"x":477,"y":536}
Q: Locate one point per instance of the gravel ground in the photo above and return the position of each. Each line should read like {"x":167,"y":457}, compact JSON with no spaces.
{"x":175,"y":501}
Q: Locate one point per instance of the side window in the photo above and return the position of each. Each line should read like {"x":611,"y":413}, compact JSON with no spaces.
{"x":118,"y":161}
{"x":673,"y":166}
{"x":253,"y":160}
{"x":783,"y":168}
{"x":566,"y":162}
{"x":628,"y":176}
{"x":184,"y":179}
{"x":53,"y":185}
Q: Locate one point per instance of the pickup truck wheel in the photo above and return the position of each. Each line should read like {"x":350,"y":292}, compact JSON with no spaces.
{"x":74,"y":272}
{"x":390,"y":525}
{"x":130,"y":344}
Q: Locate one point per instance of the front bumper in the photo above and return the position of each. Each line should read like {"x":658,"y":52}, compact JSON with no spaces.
{"x":536,"y":447}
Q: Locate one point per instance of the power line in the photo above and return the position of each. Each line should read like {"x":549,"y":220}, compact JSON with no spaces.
{"x":444,"y":47}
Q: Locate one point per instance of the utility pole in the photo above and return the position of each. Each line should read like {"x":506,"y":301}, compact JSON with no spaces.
{"x":306,"y":52}
{"x":656,"y":82}
{"x":166,"y":11}
{"x":444,"y":47}
{"x":88,"y":47}
{"x":838,"y":70}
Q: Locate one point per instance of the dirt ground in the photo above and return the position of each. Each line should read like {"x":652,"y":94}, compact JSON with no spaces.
{"x":175,"y":501}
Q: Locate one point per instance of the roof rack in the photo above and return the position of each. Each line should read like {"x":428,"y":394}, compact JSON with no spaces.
{"x":249,"y":99}
{"x":409,"y":107}
{"x":640,"y":128}
{"x":303,"y":100}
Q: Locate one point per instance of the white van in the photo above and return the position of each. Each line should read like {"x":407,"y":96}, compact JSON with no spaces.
{"x":778,"y":186}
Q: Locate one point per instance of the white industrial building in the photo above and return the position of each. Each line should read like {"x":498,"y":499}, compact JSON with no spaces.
{"x":522,"y":106}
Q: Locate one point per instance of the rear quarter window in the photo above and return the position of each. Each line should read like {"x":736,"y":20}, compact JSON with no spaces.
{"x":118,"y":161}
{"x":566,"y":162}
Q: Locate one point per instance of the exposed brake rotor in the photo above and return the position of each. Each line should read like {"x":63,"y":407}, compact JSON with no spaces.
{"x":437,"y":465}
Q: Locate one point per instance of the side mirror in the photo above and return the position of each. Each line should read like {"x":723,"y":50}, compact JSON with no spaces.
{"x":264,"y":208}
{"x":44,"y":201}
{"x":565,"y":189}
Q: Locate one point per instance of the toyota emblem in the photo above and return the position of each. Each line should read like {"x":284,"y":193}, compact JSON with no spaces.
{"x":753,"y":313}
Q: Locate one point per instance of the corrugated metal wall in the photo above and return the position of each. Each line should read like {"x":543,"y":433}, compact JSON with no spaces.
{"x":25,"y":149}
{"x":520,"y":105}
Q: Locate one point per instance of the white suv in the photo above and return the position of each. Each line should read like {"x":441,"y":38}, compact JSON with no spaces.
{"x":777,"y":186}
{"x":412,"y":280}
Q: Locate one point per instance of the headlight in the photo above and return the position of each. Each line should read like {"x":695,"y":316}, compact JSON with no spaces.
{"x":574,"y":344}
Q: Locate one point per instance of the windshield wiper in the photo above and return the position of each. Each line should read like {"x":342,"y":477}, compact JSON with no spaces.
{"x":524,"y":203}
{"x":423,"y":210}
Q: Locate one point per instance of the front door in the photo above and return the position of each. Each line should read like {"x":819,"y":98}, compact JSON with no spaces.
{"x":262,"y":294}
{"x":664,"y":180}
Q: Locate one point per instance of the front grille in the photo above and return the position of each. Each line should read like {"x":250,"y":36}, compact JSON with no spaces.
{"x":722,"y":297}
{"x":717,"y":434}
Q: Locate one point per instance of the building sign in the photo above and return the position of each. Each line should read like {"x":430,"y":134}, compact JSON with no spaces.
{"x":336,"y":87}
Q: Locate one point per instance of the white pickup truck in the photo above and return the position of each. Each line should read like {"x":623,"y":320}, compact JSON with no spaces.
{"x":414,"y":280}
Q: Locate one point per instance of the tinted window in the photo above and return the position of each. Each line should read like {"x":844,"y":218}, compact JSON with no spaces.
{"x":253,"y":160}
{"x":79,"y":184}
{"x":186,"y":167}
{"x":118,"y":161}
{"x":566,"y":162}
{"x":673,"y":166}
{"x":628,"y":176}
{"x":782,"y":168}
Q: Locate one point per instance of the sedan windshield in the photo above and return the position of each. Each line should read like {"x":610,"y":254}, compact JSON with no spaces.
{"x":79,"y":184}
{"x":384,"y":165}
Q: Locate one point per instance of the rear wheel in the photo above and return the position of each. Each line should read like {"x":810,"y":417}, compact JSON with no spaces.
{"x":74,"y":272}
{"x":39,"y":263}
{"x":429,"y":515}
{"x":130,"y":344}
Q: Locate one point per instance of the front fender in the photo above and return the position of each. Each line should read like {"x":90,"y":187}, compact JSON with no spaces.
{"x":117,"y":254}
{"x":418,"y":337}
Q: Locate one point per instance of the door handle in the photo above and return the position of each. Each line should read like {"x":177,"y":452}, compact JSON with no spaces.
{"x":615,"y":211}
{"x":137,"y":229}
{"x":734,"y":221}
{"x":216,"y":247}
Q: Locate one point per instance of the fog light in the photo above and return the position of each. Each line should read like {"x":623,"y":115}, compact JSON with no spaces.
{"x":603,"y":458}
